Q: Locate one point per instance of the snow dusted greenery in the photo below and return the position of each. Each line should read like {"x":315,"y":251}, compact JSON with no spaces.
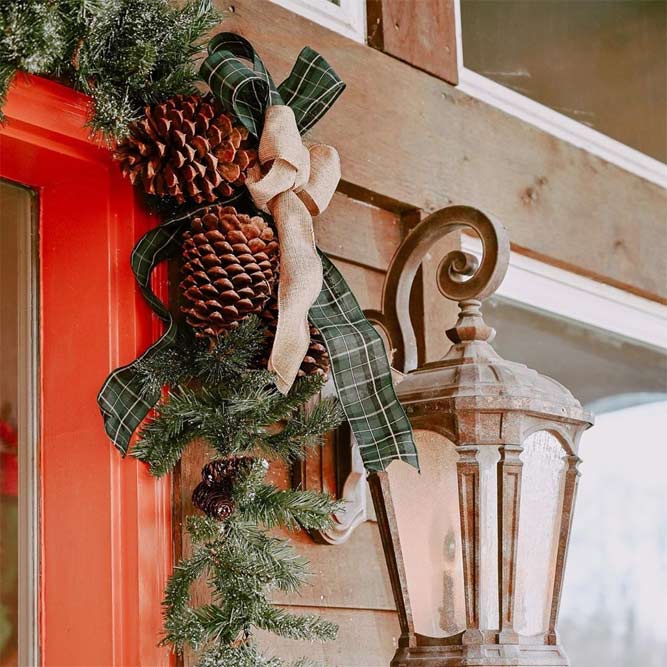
{"x":219,"y":397}
{"x":125,"y":54}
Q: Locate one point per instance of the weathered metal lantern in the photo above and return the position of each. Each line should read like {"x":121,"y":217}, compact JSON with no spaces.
{"x":475,"y":545}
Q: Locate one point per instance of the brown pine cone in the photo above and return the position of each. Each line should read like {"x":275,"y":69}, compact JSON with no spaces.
{"x":214,"y":502}
{"x":231,"y":262}
{"x":213,"y":495}
{"x":316,"y":361}
{"x":187,"y":148}
{"x":225,"y":471}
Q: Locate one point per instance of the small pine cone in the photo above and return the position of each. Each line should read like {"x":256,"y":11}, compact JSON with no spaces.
{"x":220,"y":472}
{"x":231,"y":261}
{"x":187,"y":148}
{"x":316,"y":361}
{"x":214,"y":502}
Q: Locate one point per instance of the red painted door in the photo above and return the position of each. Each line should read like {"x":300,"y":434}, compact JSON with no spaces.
{"x":104,"y":524}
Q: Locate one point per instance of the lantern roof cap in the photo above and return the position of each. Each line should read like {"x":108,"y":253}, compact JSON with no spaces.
{"x":472,"y":374}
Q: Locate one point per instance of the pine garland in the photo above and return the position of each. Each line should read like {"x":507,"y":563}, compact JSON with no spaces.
{"x":220,"y":398}
{"x":125,"y":54}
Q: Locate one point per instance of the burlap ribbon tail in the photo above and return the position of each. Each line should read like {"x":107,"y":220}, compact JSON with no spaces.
{"x":298,"y":185}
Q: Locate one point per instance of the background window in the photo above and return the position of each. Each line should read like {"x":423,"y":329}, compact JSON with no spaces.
{"x":347,"y":17}
{"x":601,"y":62}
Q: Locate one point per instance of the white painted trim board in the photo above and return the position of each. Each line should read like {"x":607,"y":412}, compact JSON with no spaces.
{"x":565,"y":294}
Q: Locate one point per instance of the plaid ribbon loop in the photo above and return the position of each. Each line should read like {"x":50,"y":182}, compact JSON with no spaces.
{"x":124,"y":399}
{"x":310,"y":89}
{"x":358,"y":359}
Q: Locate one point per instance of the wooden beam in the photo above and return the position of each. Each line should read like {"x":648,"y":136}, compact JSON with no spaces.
{"x":422,"y":34}
{"x":411,"y":138}
{"x":358,"y":232}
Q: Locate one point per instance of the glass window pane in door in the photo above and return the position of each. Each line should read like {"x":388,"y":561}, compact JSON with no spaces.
{"x":17,"y":562}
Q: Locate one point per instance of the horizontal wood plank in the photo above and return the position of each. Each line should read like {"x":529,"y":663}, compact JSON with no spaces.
{"x":358,"y":232}
{"x":414,"y":139}
{"x":347,"y":576}
{"x":365,"y":639}
{"x":365,"y":283}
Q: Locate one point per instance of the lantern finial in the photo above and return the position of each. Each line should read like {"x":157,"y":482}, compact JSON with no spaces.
{"x":470,"y":325}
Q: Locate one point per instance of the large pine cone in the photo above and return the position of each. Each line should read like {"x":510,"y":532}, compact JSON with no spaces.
{"x":231,"y":262}
{"x":316,"y":361}
{"x":186,"y":148}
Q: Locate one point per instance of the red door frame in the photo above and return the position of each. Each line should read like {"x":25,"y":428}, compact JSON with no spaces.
{"x":105,"y":523}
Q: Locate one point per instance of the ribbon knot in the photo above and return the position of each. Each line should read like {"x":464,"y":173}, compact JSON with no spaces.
{"x":299,"y":184}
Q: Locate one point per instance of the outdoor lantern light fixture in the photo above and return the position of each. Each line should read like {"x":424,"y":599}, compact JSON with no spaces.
{"x":476,"y":544}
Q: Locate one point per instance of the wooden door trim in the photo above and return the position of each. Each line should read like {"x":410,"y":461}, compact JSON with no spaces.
{"x":101,"y":583}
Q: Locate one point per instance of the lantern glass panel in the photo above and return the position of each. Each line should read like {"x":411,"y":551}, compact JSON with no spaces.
{"x":539,"y":526}
{"x":430,"y":534}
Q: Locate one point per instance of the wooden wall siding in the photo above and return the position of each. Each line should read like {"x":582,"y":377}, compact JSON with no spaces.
{"x":413,"y":140}
{"x":422,"y":33}
{"x":409,"y":144}
{"x":358,"y":232}
{"x":366,"y":638}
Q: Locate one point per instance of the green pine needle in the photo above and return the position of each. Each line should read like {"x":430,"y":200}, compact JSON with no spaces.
{"x":219,"y":397}
{"x":123,"y":53}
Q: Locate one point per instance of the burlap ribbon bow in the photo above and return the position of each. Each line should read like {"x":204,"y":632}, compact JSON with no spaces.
{"x":299,"y":184}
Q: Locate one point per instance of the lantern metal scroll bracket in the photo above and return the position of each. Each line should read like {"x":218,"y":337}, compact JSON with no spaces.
{"x":461,"y":275}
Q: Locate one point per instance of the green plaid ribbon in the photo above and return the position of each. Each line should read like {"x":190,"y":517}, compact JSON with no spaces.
{"x":359,"y":362}
{"x":310,"y":89}
{"x":123,"y":399}
{"x":362,"y":375}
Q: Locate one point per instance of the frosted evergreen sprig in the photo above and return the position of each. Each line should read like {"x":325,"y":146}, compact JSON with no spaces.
{"x":243,"y":564}
{"x":217,"y":396}
{"x":125,"y":54}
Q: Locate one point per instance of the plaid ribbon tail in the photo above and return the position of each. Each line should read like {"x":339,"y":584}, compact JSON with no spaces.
{"x":123,"y":398}
{"x":362,"y":375}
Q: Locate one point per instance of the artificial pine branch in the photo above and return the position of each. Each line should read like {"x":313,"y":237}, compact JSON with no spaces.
{"x":293,"y":509}
{"x":243,"y":565}
{"x":247,"y":655}
{"x":296,"y":626}
{"x":219,"y":397}
{"x":125,"y":54}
